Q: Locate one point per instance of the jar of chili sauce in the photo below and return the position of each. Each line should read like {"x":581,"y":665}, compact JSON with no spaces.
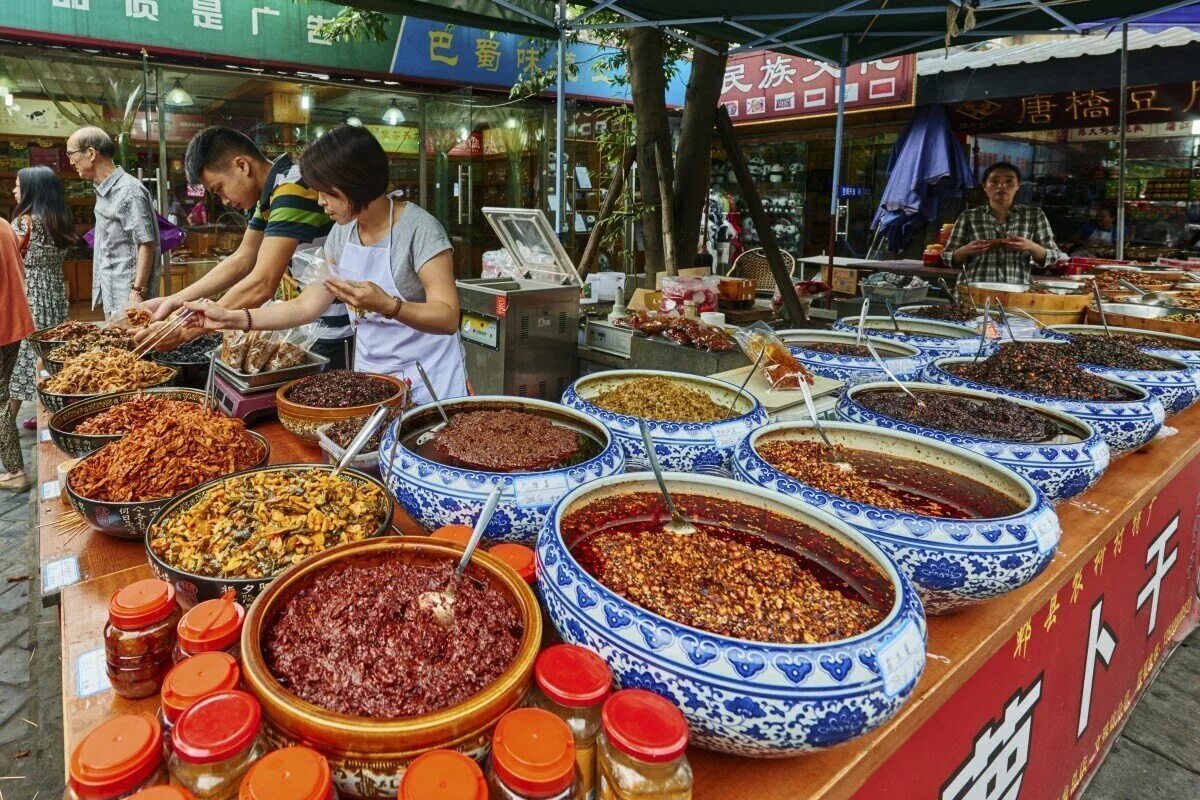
{"x":192,"y":679}
{"x":443,"y":775}
{"x":293,"y":773}
{"x":519,"y":557}
{"x":117,"y":759}
{"x":164,"y":793}
{"x":214,"y":625}
{"x":140,"y":637}
{"x":214,"y":743}
{"x":643,"y":737}
{"x":533,"y":758}
{"x":572,"y":683}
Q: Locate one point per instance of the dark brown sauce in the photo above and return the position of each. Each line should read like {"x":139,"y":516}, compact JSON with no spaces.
{"x":589,"y":448}
{"x":990,"y":418}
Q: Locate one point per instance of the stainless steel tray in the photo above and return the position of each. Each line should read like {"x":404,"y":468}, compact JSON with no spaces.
{"x":244,"y":382}
{"x":1140,"y":310}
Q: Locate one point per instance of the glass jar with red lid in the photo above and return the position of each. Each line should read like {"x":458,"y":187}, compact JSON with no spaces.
{"x":214,"y":743}
{"x":519,"y":557}
{"x":572,"y":683}
{"x":533,"y":757}
{"x":214,"y":625}
{"x":643,"y":737}
{"x":292,"y":773}
{"x":443,"y":775}
{"x":140,"y":637}
{"x":192,"y":679}
{"x":164,"y":793}
{"x":116,"y":759}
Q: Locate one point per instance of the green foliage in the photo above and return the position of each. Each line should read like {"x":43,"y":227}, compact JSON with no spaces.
{"x":354,"y":25}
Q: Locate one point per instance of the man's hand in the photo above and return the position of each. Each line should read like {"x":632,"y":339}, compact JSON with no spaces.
{"x":162,"y":307}
{"x":362,"y":295}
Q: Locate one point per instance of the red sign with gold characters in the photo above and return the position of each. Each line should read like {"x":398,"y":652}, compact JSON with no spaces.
{"x":762,"y":86}
{"x":1083,"y":108}
{"x":1037,"y":719}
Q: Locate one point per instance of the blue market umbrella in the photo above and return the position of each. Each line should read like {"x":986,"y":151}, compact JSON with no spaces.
{"x":928,"y":166}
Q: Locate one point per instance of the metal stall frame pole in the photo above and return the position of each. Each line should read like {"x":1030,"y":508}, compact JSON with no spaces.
{"x":164,"y":185}
{"x":839,"y":133}
{"x":423,"y":155}
{"x":1121,"y":137}
{"x":560,"y":120}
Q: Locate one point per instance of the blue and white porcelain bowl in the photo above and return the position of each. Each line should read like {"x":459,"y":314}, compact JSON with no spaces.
{"x":1061,"y":469}
{"x":743,"y":697}
{"x":1177,"y":389}
{"x":1125,"y":424}
{"x":954,"y":563}
{"x":704,"y":447}
{"x":435,"y":494}
{"x":1188,"y":347}
{"x":933,"y":338}
{"x":904,"y":360}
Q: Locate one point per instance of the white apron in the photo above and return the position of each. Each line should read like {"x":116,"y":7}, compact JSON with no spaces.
{"x":1099,"y":239}
{"x":388,"y":347}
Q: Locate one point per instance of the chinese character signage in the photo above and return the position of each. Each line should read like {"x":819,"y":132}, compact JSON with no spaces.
{"x":1095,"y":111}
{"x":763,"y":86}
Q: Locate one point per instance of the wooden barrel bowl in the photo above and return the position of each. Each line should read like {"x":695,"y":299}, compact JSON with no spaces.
{"x":1049,"y":309}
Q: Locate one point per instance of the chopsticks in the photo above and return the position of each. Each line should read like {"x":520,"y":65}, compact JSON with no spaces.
{"x":168,"y":329}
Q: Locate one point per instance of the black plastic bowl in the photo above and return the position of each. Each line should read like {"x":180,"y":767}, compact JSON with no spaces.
{"x":191,"y":588}
{"x":132,"y":520}
{"x":63,"y":423}
{"x":57,"y":402}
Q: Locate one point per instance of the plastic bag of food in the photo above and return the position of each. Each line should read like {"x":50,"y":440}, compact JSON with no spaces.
{"x":779,"y":367}
{"x":701,"y":291}
{"x":234,"y":345}
{"x":262,"y":348}
{"x":499,"y":264}
{"x":310,"y":265}
{"x":294,"y":347}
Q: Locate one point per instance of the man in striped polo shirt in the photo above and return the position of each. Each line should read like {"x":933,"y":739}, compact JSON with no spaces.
{"x":283,"y":214}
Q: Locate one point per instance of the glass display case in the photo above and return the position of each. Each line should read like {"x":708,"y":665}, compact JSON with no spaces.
{"x":779,"y":170}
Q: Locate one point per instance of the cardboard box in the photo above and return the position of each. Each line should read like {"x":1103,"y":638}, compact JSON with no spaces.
{"x":644,"y":300}
{"x":845,"y":281}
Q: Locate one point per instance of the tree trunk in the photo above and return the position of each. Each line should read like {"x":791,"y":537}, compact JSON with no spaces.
{"x":695,"y":146}
{"x":650,"y":107}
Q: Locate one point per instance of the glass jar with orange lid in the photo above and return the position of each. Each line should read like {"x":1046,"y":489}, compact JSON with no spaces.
{"x":214,"y":625}
{"x":190,"y":680}
{"x":519,"y":557}
{"x":164,"y":793}
{"x":291,"y":773}
{"x":643,"y":737}
{"x":116,"y":759}
{"x":443,"y":775}
{"x":214,"y":743}
{"x":572,"y":683}
{"x":140,"y":637}
{"x":533,"y":758}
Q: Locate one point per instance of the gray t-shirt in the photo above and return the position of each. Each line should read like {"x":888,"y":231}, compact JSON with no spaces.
{"x":416,"y":237}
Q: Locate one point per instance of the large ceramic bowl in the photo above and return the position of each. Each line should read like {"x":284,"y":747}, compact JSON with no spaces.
{"x":369,"y":756}
{"x":1188,"y":347}
{"x":303,"y":420}
{"x":1125,"y":424}
{"x":953,"y":562}
{"x":193,"y":374}
{"x":435,"y":494}
{"x":739,"y":696}
{"x":43,"y":346}
{"x":62,"y":424}
{"x":1061,"y":470}
{"x":1176,"y":388}
{"x":191,"y":588}
{"x":704,"y":447}
{"x":57,"y":402}
{"x":132,"y":520}
{"x":904,"y":360}
{"x":933,"y":338}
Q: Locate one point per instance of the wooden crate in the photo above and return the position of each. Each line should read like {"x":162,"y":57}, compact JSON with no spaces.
{"x":1049,"y":309}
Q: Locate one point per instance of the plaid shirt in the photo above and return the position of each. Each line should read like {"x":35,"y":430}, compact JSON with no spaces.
{"x":1000,"y":265}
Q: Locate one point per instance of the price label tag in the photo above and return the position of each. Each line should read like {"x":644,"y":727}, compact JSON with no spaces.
{"x":537,"y":491}
{"x":1047,"y":531}
{"x":901,"y":659}
{"x":50,"y":490}
{"x":91,"y":677}
{"x":728,"y":435}
{"x":43,"y":374}
{"x":59,"y":573}
{"x":44,"y":435}
{"x":1102,"y":454}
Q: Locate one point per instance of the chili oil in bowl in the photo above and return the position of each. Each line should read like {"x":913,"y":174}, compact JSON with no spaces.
{"x":1059,"y":454}
{"x":1169,"y":345}
{"x":63,"y":424}
{"x":688,"y":416}
{"x":537,"y":450}
{"x":368,"y":754}
{"x":838,"y":356}
{"x":963,"y":528}
{"x":761,"y":566}
{"x":934,"y":338}
{"x":341,"y":394}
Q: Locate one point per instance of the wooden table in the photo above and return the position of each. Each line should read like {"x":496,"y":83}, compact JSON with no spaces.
{"x":964,"y":647}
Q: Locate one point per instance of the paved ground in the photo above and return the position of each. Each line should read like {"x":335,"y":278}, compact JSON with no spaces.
{"x":1157,"y":756}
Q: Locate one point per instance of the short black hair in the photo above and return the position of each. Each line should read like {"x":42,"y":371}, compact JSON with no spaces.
{"x":1002,"y":165}
{"x":350,"y":160}
{"x":213,"y":147}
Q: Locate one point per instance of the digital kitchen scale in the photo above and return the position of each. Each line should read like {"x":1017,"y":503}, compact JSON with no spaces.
{"x":251,"y":398}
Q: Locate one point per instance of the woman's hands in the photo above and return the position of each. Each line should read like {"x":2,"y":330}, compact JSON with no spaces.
{"x":211,"y":316}
{"x":364,"y":296}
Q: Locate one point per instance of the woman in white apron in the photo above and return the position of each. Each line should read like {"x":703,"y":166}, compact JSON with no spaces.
{"x":1096,"y":237}
{"x":390,"y":261}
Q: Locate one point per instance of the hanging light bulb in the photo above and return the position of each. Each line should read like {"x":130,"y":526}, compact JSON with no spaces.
{"x":7,"y":84}
{"x":511,"y":122}
{"x":306,"y":100}
{"x":394,"y":115}
{"x":353,"y":119}
{"x":178,"y":96}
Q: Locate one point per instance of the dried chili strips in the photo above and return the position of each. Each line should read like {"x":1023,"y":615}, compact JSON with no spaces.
{"x":105,"y":370}
{"x":133,"y":414}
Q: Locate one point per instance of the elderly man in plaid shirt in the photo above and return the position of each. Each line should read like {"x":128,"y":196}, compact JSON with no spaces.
{"x":1001,"y":242}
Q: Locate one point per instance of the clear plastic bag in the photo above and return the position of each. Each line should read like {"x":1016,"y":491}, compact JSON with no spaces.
{"x":704,"y":292}
{"x":310,"y":265}
{"x":779,"y":367}
{"x":262,"y":348}
{"x":499,"y":264}
{"x":234,"y":345}
{"x":294,"y":347}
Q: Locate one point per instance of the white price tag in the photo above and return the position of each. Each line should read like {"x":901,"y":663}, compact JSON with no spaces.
{"x":728,"y":435}
{"x":901,"y":659}
{"x":91,"y":676}
{"x":536,"y":491}
{"x":50,"y":490}
{"x":44,"y":435}
{"x":1047,"y":531}
{"x":59,"y":573}
{"x":1102,"y":454}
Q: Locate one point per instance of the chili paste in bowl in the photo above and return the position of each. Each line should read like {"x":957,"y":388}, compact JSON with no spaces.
{"x":1170,"y":345}
{"x":840,"y":356}
{"x":933,"y":338}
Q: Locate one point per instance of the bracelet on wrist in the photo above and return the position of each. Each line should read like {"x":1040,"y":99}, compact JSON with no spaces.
{"x":399,"y":303}
{"x":249,"y":322}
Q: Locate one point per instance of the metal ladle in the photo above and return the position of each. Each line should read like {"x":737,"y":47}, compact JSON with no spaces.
{"x":1004,"y":319}
{"x":892,"y":313}
{"x":678,"y":525}
{"x":1100,"y":308}
{"x":360,"y":439}
{"x":888,"y":372}
{"x":442,"y":603}
{"x":742,"y":388}
{"x":862,"y":321}
{"x":841,"y":464}
{"x":987,"y":318}
{"x":432,"y":432}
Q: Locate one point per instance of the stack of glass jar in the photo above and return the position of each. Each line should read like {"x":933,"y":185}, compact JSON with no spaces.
{"x":139,"y":639}
{"x":214,"y":743}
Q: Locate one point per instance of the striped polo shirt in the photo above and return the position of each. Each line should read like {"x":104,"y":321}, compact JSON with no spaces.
{"x":289,"y":208}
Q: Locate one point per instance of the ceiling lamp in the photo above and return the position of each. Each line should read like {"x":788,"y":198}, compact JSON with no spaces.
{"x":353,"y":119}
{"x":394,"y":115}
{"x":306,"y":100}
{"x":178,"y":96}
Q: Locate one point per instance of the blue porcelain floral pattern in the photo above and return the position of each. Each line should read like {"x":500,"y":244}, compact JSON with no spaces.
{"x":852,"y":369}
{"x":1191,"y":357}
{"x":931,"y":345}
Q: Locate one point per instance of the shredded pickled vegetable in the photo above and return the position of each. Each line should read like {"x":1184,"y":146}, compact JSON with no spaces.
{"x":105,"y":370}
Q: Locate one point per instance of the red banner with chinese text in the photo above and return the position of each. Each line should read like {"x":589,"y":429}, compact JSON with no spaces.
{"x":1039,"y":716}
